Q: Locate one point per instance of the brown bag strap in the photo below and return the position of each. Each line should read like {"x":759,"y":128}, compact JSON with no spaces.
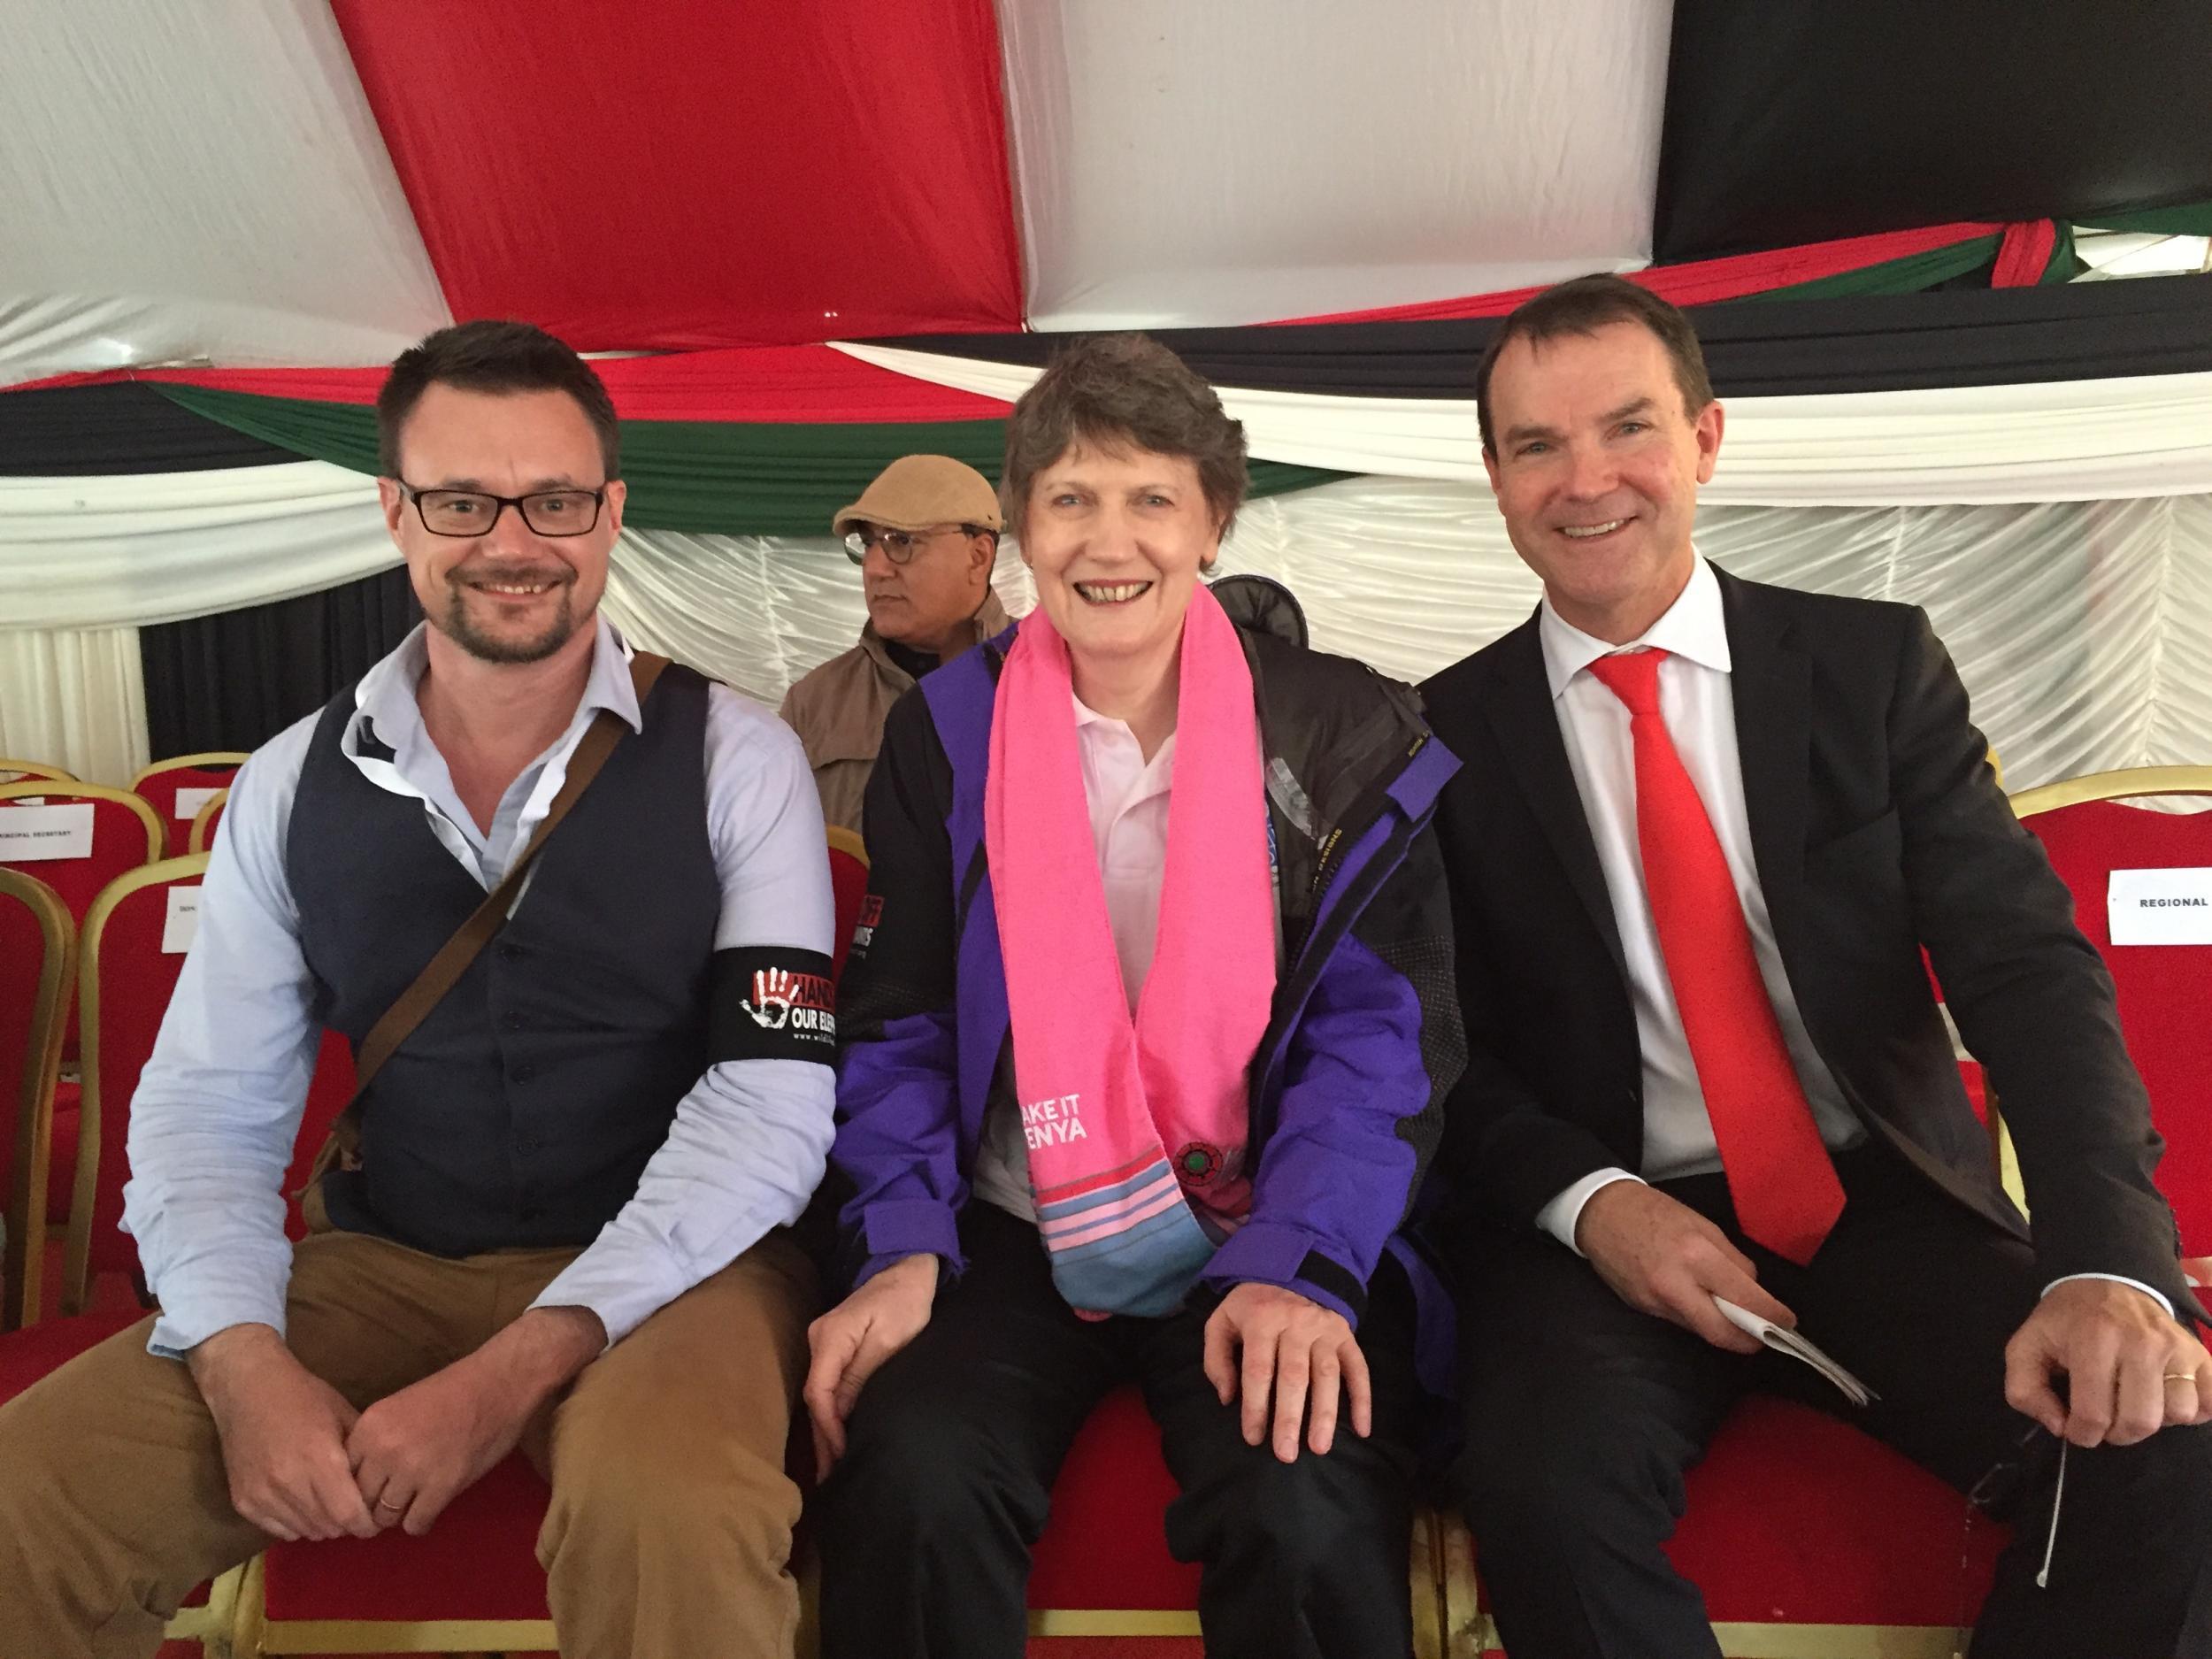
{"x":444,"y":970}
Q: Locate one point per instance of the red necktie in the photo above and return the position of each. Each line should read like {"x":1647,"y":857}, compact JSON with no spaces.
{"x":1779,"y":1175}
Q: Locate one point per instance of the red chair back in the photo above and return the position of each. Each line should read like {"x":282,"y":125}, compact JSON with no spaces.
{"x":126,"y":836}
{"x":177,"y":789}
{"x":126,"y":833}
{"x":38,"y":963}
{"x":2165,"y":991}
{"x":849,"y":884}
{"x":124,"y":979}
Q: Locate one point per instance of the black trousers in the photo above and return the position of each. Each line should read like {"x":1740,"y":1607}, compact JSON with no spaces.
{"x":1583,"y":1416}
{"x":928,"y":1521}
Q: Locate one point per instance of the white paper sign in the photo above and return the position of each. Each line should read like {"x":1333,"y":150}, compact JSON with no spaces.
{"x":2160,"y":907}
{"x":28,"y":833}
{"x":190,"y":800}
{"x":184,"y":920}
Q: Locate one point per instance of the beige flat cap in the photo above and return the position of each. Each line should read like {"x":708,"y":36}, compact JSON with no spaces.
{"x":916,"y":491}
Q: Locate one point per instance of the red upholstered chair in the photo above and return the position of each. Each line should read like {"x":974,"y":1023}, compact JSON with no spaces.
{"x":202,"y":838}
{"x":1809,"y":1541}
{"x":126,"y":834}
{"x":178,"y":788}
{"x":849,"y":883}
{"x":31,"y":771}
{"x":38,"y":965}
{"x":125,"y":978}
{"x":2165,"y":991}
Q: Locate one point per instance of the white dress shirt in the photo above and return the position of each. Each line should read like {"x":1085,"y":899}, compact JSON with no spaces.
{"x":1701,"y":717}
{"x":1128,"y":797}
{"x":218,"y":1109}
{"x":1700,"y":713}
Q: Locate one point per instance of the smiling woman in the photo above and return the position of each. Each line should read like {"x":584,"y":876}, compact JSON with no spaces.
{"x":1189,"y":1154}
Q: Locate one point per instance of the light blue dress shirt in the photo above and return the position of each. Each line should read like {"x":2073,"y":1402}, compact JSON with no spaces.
{"x":218,"y":1107}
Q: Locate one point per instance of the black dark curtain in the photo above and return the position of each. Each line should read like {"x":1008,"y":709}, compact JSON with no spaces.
{"x":236,"y":679}
{"x":121,"y":427}
{"x":1753,"y":347}
{"x":1796,"y":120}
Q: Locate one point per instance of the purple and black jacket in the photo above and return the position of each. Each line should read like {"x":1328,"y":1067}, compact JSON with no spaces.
{"x":1364,"y":1044}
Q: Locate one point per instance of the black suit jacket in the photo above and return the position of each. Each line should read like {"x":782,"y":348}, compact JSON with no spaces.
{"x":1878,"y":826}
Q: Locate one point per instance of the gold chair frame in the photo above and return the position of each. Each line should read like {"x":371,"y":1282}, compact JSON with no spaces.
{"x":177,"y":763}
{"x":203,"y":834}
{"x":22,"y":1273}
{"x":77,"y":1257}
{"x":31,"y":771}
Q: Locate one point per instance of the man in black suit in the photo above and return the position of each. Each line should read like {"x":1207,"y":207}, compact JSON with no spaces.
{"x":1704,"y":829}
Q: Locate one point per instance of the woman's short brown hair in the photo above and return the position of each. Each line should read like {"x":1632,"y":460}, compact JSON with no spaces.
{"x":1124,"y":392}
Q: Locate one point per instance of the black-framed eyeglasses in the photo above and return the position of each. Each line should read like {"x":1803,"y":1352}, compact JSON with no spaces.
{"x":472,"y":512}
{"x":901,"y":546}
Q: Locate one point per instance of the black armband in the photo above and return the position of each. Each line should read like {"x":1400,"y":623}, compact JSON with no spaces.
{"x":771,"y":1003}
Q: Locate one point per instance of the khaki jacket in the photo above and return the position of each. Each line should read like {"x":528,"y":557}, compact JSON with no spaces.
{"x":837,"y":712}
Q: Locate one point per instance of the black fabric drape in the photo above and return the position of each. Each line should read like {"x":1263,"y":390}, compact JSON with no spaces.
{"x":1815,"y":118}
{"x":236,"y":679}
{"x":1753,"y":347}
{"x":84,"y":431}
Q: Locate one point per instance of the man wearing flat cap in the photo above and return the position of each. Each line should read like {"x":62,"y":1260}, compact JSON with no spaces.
{"x":924,"y":535}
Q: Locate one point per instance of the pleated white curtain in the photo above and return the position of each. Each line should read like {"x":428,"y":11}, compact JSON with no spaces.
{"x":2053,"y":441}
{"x":2083,"y":630}
{"x":74,"y":697}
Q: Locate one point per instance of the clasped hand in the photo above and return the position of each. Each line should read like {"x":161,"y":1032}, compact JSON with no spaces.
{"x":303,"y":1463}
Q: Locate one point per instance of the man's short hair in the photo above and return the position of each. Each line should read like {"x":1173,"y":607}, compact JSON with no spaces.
{"x":492,"y":356}
{"x":1583,"y":306}
{"x":1124,"y":392}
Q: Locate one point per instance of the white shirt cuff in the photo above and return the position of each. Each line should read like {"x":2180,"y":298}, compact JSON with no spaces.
{"x":2118,"y":1278}
{"x":1559,"y":1217}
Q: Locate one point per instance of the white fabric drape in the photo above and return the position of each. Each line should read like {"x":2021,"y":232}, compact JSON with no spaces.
{"x":157,"y":546}
{"x":2083,"y":630}
{"x":74,"y":697}
{"x":2062,"y":441}
{"x":1243,"y":160}
{"x":185,"y":183}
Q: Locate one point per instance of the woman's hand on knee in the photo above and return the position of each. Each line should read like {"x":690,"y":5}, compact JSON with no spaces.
{"x":1263,"y":1338}
{"x":854,"y":1338}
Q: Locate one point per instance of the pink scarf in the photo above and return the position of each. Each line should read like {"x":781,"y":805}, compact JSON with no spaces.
{"x":1136,"y":1128}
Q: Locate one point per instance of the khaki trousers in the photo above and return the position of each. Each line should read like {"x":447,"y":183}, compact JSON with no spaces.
{"x":669,"y":1534}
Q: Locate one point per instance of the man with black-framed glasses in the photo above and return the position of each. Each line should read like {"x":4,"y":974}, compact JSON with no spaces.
{"x":924,"y":535}
{"x":558,"y":1222}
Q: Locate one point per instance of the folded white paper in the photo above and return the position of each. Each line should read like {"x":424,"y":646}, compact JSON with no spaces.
{"x":1784,"y":1340}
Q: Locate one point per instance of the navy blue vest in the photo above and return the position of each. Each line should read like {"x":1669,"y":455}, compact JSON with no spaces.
{"x":523,"y":1108}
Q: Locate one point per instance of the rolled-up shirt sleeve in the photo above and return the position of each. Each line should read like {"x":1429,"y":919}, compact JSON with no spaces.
{"x":751,"y":1139}
{"x":218,"y":1107}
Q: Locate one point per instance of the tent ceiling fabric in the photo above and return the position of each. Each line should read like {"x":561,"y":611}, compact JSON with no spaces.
{"x":1787,"y":122}
{"x":671,"y":175}
{"x":1241,"y":160}
{"x":187,"y":181}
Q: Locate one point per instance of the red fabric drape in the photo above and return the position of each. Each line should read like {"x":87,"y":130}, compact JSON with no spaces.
{"x":667,"y":175}
{"x":794,"y":384}
{"x":1707,"y":281}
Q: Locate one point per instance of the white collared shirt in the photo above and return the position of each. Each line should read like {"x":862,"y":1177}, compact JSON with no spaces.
{"x":1128,"y":799}
{"x":1695,"y":702}
{"x":218,"y":1109}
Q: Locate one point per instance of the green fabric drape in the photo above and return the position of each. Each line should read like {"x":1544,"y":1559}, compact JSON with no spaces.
{"x":710,"y":478}
{"x":1912,"y":274}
